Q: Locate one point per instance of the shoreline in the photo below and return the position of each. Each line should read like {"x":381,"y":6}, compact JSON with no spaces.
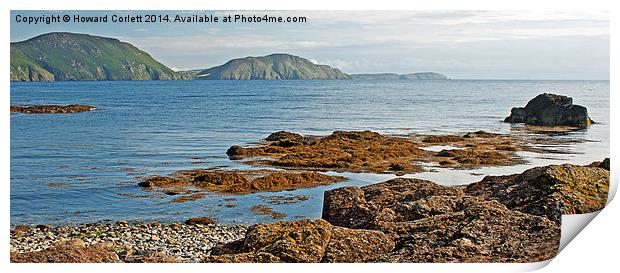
{"x":376,"y":215}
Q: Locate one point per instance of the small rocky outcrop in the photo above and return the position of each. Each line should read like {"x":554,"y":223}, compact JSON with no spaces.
{"x":235,"y":181}
{"x":551,"y":110}
{"x":548,"y":191}
{"x":304,"y":241}
{"x":367,"y":151}
{"x":51,"y":109}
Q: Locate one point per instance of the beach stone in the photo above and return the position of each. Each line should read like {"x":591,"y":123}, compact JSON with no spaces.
{"x":551,"y":110}
{"x":44,"y":228}
{"x":548,"y":191}
{"x":22,"y":228}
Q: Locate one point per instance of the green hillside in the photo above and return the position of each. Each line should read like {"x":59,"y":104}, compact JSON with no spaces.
{"x":68,"y":56}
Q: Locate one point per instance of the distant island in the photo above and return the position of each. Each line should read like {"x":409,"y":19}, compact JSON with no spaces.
{"x":271,"y":67}
{"x":62,"y":56}
{"x":394,"y":76}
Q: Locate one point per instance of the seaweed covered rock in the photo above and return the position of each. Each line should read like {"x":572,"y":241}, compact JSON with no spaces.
{"x":51,"y":109}
{"x":434,"y":223}
{"x":551,"y":110}
{"x":305,"y":241}
{"x":366,"y":207}
{"x":69,"y":251}
{"x":548,"y":191}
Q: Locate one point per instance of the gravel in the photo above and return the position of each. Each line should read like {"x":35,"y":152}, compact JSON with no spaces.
{"x":187,"y":243}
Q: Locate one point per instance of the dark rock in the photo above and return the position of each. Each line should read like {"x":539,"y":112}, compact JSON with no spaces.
{"x":551,"y":110}
{"x":201,"y":221}
{"x":284,"y":135}
{"x":548,"y":191}
{"x":605,"y":164}
{"x":44,"y":228}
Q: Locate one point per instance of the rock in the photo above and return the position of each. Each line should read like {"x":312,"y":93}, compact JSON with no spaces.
{"x":604,"y":164}
{"x":260,"y":257}
{"x":150,"y":257}
{"x":366,"y":151}
{"x":433,"y":223}
{"x":305,"y":241}
{"x":122,"y":223}
{"x":44,"y":228}
{"x":548,"y":191}
{"x":200,"y":220}
{"x":365,"y":207}
{"x":235,"y":182}
{"x":22,"y":228}
{"x":468,"y":229}
{"x":356,"y":245}
{"x":284,"y":135}
{"x":296,"y":241}
{"x":51,"y":109}
{"x":70,"y":252}
{"x":551,"y":110}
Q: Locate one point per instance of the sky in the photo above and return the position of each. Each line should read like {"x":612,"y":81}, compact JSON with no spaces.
{"x":461,"y":44}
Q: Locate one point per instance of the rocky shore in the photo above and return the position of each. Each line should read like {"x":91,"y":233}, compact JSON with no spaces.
{"x":51,"y":109}
{"x":514,"y":218}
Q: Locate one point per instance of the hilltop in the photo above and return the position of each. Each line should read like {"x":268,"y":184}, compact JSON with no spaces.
{"x":61,"y":56}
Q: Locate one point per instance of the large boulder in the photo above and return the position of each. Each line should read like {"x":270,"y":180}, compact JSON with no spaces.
{"x":366,"y":207}
{"x":551,"y":110}
{"x":548,"y":191}
{"x":434,"y":223}
{"x":306,"y":241}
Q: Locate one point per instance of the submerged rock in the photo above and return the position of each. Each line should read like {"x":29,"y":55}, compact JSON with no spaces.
{"x":548,"y":191}
{"x":551,"y":110}
{"x":51,"y":109}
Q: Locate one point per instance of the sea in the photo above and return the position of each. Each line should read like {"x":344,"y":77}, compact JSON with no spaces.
{"x":77,"y":168}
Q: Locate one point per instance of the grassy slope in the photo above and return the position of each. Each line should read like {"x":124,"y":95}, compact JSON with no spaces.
{"x":84,"y":57}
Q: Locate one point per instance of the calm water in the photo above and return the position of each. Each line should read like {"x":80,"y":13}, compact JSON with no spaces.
{"x":147,"y":128}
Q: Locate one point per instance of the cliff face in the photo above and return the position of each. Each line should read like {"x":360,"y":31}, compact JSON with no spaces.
{"x":271,"y":67}
{"x":69,"y":56}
